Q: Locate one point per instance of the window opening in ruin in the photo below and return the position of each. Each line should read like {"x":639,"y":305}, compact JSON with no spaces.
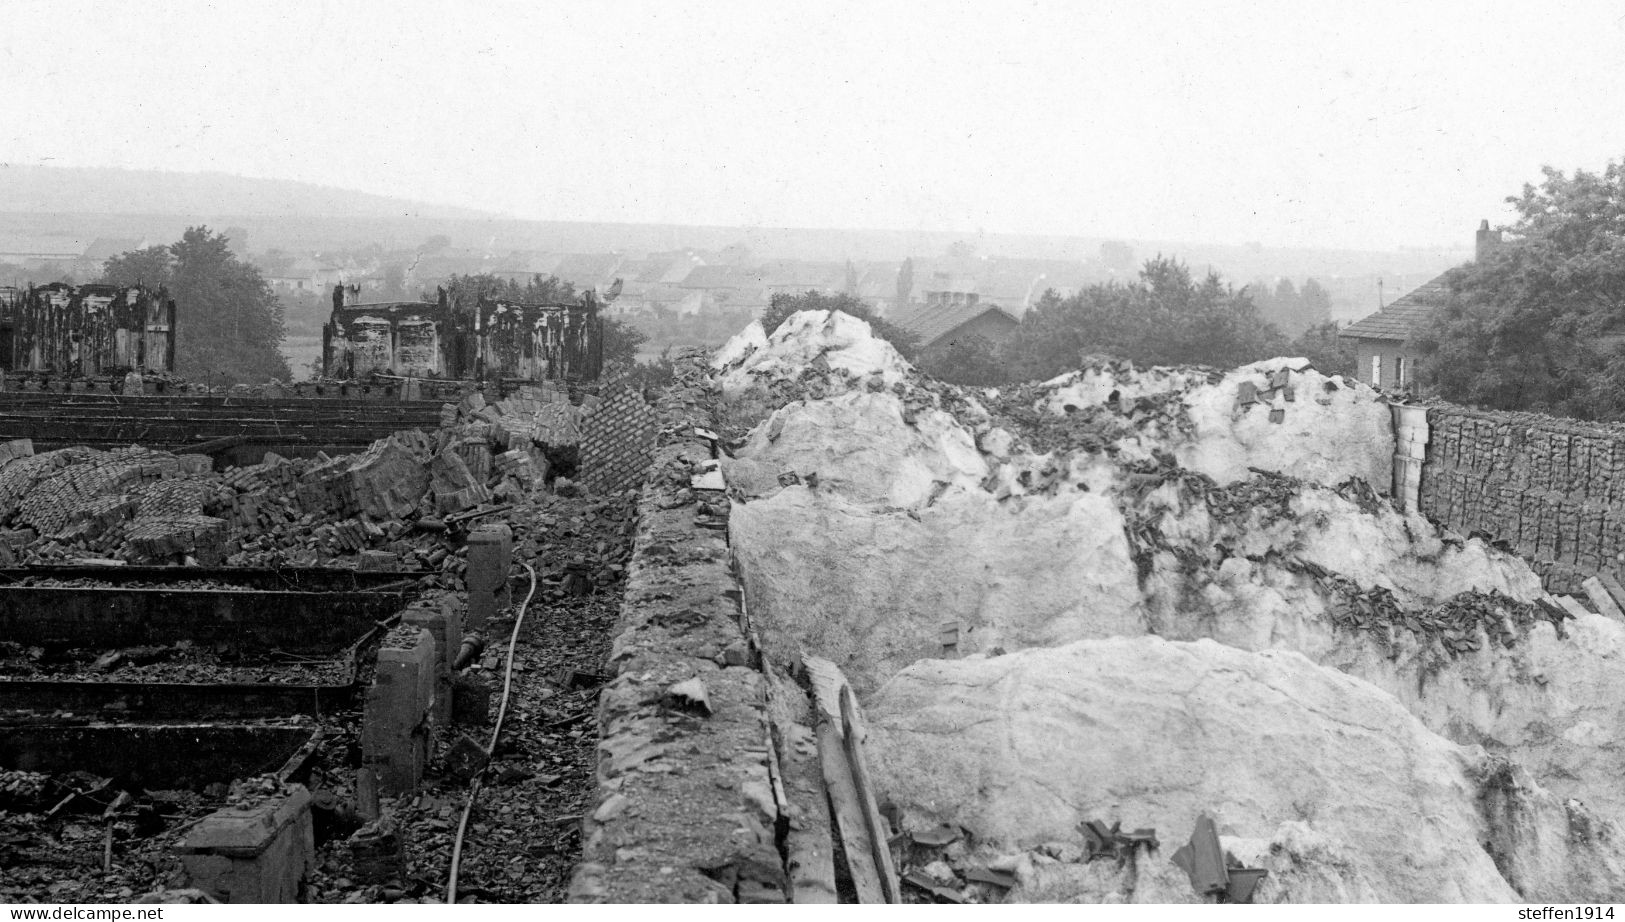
{"x":1376,"y":370}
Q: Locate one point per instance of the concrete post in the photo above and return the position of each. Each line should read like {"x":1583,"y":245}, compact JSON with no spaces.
{"x":445,"y":627}
{"x":490,"y":554}
{"x":395,"y":726}
{"x":1410,"y":452}
{"x":257,"y":854}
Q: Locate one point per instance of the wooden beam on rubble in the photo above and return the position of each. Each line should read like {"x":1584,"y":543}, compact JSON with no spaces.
{"x":1599,"y":596}
{"x":1615,"y":590}
{"x":864,"y":834}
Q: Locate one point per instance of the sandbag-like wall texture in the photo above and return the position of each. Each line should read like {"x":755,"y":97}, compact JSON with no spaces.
{"x":1552,"y":489}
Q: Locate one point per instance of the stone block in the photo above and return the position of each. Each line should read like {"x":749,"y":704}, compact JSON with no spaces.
{"x":454,"y":486}
{"x":388,"y":479}
{"x":396,"y":723}
{"x":257,"y":854}
{"x":490,"y":554}
{"x":377,"y":560}
{"x":378,"y":851}
{"x":445,"y":629}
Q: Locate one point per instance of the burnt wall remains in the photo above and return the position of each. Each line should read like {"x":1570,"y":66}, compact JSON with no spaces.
{"x":488,"y":339}
{"x":80,"y":331}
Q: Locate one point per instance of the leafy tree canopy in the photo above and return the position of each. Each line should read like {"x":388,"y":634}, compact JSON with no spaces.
{"x":1290,"y":308}
{"x":228,"y":323}
{"x":1323,"y":348}
{"x":1165,"y":317}
{"x":1537,"y":323}
{"x":465,"y":291}
{"x":969,"y":360}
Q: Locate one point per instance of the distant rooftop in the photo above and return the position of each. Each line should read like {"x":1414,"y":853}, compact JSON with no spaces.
{"x":1400,"y":320}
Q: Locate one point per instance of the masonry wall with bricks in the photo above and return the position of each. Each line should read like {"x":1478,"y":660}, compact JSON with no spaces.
{"x":617,"y":441}
{"x":1552,"y":489}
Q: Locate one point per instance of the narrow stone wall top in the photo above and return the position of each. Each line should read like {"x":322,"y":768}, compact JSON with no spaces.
{"x":685,"y":810}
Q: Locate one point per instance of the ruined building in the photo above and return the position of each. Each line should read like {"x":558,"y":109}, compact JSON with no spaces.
{"x":86,"y":330}
{"x":490,"y":338}
{"x":824,"y":630}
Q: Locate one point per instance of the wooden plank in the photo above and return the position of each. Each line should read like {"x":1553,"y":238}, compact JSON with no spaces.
{"x":809,"y":844}
{"x":850,"y":819}
{"x":879,"y":833}
{"x":1600,"y":598}
{"x":1573,"y":607}
{"x":843,"y":797}
{"x":826,"y":679}
{"x":1615,"y":590}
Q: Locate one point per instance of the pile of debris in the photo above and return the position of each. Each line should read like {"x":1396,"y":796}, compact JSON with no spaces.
{"x":78,"y":837}
{"x":1242,"y":507}
{"x":387,"y":507}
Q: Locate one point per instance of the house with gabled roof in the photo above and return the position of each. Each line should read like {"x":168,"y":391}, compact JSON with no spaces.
{"x":1385,"y":353}
{"x":941,"y":323}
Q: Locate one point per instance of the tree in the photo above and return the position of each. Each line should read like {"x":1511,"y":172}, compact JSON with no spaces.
{"x":973,"y":361}
{"x":1165,"y":317}
{"x":1291,"y":309}
{"x":465,"y":291}
{"x":1330,"y":354}
{"x":622,"y":342}
{"x":394,"y":283}
{"x":1535,"y":324}
{"x":783,"y":305}
{"x":229,"y":323}
{"x":1315,"y":303}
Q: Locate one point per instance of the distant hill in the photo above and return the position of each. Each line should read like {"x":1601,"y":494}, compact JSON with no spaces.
{"x":98,"y":190}
{"x":298,"y":217}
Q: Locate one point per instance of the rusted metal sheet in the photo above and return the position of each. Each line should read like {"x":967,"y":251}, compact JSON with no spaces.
{"x":78,"y":331}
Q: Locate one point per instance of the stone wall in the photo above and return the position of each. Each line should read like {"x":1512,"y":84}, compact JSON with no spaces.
{"x":685,"y":810}
{"x":1552,"y":489}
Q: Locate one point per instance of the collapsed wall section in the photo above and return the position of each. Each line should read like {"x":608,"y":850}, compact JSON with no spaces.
{"x":1553,"y":490}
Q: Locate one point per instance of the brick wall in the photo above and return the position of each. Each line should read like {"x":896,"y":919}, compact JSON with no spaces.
{"x":617,"y":441}
{"x":1552,"y":489}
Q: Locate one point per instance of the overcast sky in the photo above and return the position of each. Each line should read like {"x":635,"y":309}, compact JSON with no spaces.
{"x":1358,"y":125}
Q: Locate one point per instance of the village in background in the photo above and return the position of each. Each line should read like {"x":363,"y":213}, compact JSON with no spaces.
{"x":680,"y":285}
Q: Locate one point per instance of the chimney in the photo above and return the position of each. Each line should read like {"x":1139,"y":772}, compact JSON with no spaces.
{"x":1488,"y":241}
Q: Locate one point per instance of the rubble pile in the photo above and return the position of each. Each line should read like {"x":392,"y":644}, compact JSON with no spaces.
{"x":901,"y":527}
{"x":55,"y":831}
{"x":386,"y":505}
